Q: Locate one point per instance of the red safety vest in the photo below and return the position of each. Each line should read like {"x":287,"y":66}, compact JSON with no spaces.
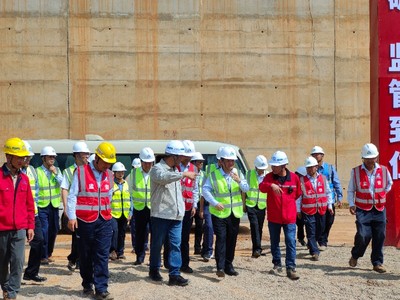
{"x":314,"y":200}
{"x":187,"y":188}
{"x":92,"y":200}
{"x":363,"y":199}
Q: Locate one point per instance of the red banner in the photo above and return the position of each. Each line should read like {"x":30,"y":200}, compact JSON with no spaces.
{"x":388,"y":117}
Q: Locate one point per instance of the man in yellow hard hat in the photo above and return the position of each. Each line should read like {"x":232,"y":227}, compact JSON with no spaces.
{"x":89,"y":213}
{"x":17,"y":215}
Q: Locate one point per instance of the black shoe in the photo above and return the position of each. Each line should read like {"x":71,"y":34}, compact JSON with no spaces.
{"x":231,"y":272}
{"x":303,"y":243}
{"x":35,"y":278}
{"x":256,"y":254}
{"x":103,"y":296}
{"x":220,"y":273}
{"x":88,"y":292}
{"x":177,"y":280}
{"x":187,"y":270}
{"x":137,"y":263}
{"x":197,"y":252}
{"x":71,"y":266}
{"x":206,"y":258}
{"x":155,"y":275}
{"x":44,"y":261}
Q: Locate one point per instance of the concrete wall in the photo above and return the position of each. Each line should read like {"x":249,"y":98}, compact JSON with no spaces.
{"x":262,"y":74}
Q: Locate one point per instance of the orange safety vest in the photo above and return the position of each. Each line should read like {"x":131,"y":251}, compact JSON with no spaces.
{"x":93,"y":200}
{"x":314,"y":200}
{"x":187,"y":188}
{"x":363,"y":198}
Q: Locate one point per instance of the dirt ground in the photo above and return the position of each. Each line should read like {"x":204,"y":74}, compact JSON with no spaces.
{"x":329,"y":278}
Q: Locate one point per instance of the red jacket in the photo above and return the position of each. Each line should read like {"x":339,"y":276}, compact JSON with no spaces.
{"x":17,"y":210}
{"x":187,"y":188}
{"x":281,"y":209}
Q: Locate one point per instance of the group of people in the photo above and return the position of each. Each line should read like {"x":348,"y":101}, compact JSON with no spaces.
{"x":163,"y":196}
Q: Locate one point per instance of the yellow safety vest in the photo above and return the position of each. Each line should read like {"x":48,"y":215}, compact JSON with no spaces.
{"x":230,"y":198}
{"x":69,"y":173}
{"x":49,"y":190}
{"x":254,"y":196}
{"x":31,"y":173}
{"x":140,"y":190}
{"x":121,"y":201}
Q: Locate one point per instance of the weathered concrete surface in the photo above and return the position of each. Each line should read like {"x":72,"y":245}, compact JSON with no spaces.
{"x":262,"y":74}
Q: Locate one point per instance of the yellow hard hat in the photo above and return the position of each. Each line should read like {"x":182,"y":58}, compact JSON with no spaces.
{"x":106,"y":151}
{"x":15,"y":146}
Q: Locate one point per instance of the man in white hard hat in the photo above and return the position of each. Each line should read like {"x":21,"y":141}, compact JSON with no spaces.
{"x":329,"y":171}
{"x":255,"y":203}
{"x":222,"y":189}
{"x":283,"y":189}
{"x":167,"y":212}
{"x":366,"y":194}
{"x":121,"y":203}
{"x":49,"y":200}
{"x":315,"y":200}
{"x":140,"y":187}
{"x":80,"y":152}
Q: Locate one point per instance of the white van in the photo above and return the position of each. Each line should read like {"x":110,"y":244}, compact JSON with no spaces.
{"x":127,"y":150}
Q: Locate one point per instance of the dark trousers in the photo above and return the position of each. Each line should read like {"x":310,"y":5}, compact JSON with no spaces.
{"x":94,"y":248}
{"x":370,"y":225}
{"x":329,"y":219}
{"x":186,"y":226}
{"x":143,"y":225}
{"x":256,"y":218}
{"x":198,"y":231}
{"x":118,"y":237}
{"x":314,"y":227}
{"x":49,"y":220}
{"x":300,"y":229}
{"x":208,"y":236}
{"x":226,"y":231}
{"x":35,"y":253}
{"x":74,"y":255}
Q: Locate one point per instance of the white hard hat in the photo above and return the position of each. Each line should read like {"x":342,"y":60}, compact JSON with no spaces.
{"x":147,"y":154}
{"x":228,"y":153}
{"x":261,"y":162}
{"x":118,"y":166}
{"x":302,"y":171}
{"x":219,"y":151}
{"x":197,"y":156}
{"x":369,"y":151}
{"x":279,"y":158}
{"x":175,"y":147}
{"x":189,"y":148}
{"x":91,"y":158}
{"x":29,"y":148}
{"x":48,"y":150}
{"x":310,"y":162}
{"x":136,"y":163}
{"x":80,"y":146}
{"x":317,"y":149}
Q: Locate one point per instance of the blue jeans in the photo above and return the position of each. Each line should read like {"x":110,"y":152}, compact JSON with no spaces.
{"x":94,"y":247}
{"x":370,"y":225}
{"x":290,"y":242}
{"x":315,"y":225}
{"x":161,"y":229}
{"x":208,"y":235}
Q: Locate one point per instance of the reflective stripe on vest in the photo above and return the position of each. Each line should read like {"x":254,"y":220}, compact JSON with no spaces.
{"x":93,"y":200}
{"x":49,"y":190}
{"x":314,"y":201}
{"x":363,"y":198}
{"x":31,"y":173}
{"x":231,"y":198}
{"x":69,"y":172}
{"x":187,"y":186}
{"x":140,"y":190}
{"x":121,"y":201}
{"x":254,"y":196}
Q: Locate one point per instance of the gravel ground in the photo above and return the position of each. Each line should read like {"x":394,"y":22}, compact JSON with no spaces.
{"x":328,"y":278}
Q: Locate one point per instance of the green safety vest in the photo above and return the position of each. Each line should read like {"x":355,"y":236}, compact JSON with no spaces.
{"x":254,"y":196}
{"x":69,"y":173}
{"x":231,"y":199}
{"x":140,"y":190}
{"x":121,"y":201}
{"x":31,"y":173}
{"x":49,"y":190}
